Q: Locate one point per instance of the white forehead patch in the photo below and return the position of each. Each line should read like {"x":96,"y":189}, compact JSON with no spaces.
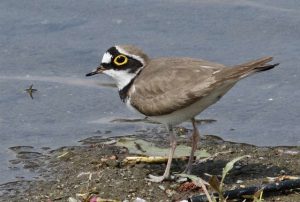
{"x":106,"y":58}
{"x":122,"y":51}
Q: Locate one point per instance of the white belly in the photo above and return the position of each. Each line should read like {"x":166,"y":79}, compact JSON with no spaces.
{"x":191,"y":111}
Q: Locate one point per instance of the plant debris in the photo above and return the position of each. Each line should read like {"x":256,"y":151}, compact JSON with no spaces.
{"x":96,"y":170}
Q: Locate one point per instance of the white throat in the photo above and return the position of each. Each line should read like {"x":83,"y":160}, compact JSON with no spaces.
{"x":121,"y":77}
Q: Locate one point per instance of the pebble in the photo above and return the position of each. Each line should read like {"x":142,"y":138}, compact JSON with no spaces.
{"x":174,"y":186}
{"x":239,"y":181}
{"x":162,"y":187}
{"x":139,"y":200}
{"x":71,"y":199}
{"x":237,"y":167}
{"x":110,"y":142}
{"x":223,"y":147}
{"x":290,"y":152}
{"x":181,"y":179}
{"x":111,"y":163}
{"x":132,"y":190}
{"x":170,"y":192}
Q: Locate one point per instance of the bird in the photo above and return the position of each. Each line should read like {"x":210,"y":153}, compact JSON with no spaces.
{"x":30,"y":91}
{"x":171,"y":90}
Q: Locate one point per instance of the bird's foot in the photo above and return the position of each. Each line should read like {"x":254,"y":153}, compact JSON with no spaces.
{"x":153,"y":178}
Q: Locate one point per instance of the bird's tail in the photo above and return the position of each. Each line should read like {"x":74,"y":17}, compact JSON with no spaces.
{"x":249,"y":68}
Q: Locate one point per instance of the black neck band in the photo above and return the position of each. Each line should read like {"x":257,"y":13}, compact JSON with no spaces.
{"x":124,"y":91}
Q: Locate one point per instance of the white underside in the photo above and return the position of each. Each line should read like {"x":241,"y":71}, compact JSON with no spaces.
{"x":191,"y":111}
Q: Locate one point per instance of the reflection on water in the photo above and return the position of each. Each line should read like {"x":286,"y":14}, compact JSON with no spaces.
{"x":58,"y":115}
{"x":27,"y":159}
{"x":146,"y":120}
{"x":63,"y":80}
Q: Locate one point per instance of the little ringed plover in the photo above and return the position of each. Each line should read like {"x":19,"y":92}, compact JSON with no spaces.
{"x":172,"y":90}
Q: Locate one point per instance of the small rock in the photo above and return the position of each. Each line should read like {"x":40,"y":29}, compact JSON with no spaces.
{"x":162,"y":187}
{"x":139,"y":200}
{"x":112,"y":163}
{"x":239,"y":181}
{"x":65,"y":156}
{"x":110,"y":142}
{"x":237,"y":167}
{"x":131,"y":190}
{"x":71,"y":199}
{"x":223,"y":147}
{"x":170,"y":192}
{"x":174,"y":186}
{"x":282,"y":172}
{"x":233,"y":187}
{"x":291,"y":152}
{"x":181,"y":179}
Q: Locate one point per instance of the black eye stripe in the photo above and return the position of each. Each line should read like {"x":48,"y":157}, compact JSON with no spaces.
{"x":131,"y":65}
{"x":114,"y":52}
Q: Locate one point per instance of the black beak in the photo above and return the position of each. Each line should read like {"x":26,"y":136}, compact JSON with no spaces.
{"x":98,"y":70}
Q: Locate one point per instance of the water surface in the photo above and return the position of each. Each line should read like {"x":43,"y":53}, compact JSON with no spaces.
{"x":53,"y":44}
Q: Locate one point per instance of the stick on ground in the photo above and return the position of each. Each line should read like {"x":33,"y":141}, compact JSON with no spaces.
{"x":239,"y":193}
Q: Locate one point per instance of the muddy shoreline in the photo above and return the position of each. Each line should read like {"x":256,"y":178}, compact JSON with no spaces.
{"x":95,"y":167}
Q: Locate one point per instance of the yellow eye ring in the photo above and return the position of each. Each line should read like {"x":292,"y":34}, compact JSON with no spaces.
{"x":120,"y":60}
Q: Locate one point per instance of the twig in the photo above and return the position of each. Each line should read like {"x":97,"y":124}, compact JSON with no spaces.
{"x":149,"y":159}
{"x":239,"y":193}
{"x":205,"y":190}
{"x":211,"y":157}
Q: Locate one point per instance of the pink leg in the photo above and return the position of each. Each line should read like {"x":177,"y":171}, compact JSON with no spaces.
{"x":166,"y":174}
{"x":195,"y":140}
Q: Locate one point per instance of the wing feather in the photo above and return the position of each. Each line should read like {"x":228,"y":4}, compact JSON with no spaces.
{"x":169,"y":84}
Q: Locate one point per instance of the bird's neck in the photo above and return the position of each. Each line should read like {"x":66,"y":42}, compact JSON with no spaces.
{"x":124,"y":91}
{"x":124,"y":81}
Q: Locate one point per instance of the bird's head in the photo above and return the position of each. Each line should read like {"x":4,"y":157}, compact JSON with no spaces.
{"x":122,"y":63}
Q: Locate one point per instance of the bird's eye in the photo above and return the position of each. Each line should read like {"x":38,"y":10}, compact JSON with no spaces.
{"x":120,"y":60}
